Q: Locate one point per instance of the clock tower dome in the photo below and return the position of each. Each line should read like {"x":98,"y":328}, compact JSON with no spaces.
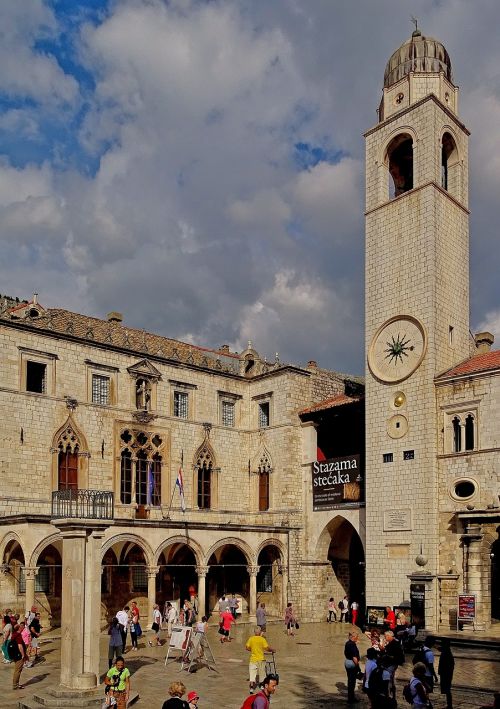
{"x":417,"y":310}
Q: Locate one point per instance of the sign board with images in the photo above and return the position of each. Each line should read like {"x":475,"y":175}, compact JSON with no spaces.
{"x":466,"y":607}
{"x":179,"y":640}
{"x":337,"y":483}
{"x":375,"y":616}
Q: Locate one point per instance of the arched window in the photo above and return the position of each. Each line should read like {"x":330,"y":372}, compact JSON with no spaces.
{"x":469,"y":433}
{"x":449,"y":164}
{"x":205,"y":485}
{"x":126,"y":477}
{"x":400,"y":164}
{"x":264,"y":471}
{"x":67,"y":467}
{"x":457,"y":435}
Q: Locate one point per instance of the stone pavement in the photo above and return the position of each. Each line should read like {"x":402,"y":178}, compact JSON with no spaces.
{"x":310,"y":667}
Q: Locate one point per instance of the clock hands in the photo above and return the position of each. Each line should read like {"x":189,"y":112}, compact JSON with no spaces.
{"x":398,"y":348}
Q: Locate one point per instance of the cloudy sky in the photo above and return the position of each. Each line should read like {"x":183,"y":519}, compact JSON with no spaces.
{"x":198,"y":164}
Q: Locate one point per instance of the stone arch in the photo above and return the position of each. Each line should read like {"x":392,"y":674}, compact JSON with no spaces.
{"x":70,"y":437}
{"x":6,"y":540}
{"x":179,"y":539}
{"x":327,"y":533}
{"x":53,"y":539}
{"x":272,"y":541}
{"x":451,"y":163}
{"x":132,"y":539}
{"x":234,"y":541}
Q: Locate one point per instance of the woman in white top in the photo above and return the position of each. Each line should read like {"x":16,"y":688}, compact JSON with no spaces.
{"x":156,"y":626}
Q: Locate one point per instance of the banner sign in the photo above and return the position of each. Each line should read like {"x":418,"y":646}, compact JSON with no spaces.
{"x":466,"y":607}
{"x":417,"y":603}
{"x":337,"y":483}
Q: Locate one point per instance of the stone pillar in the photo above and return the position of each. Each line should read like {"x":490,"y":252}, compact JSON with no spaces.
{"x":30,"y":573}
{"x":473,"y":572}
{"x":81,"y":601}
{"x":152,"y":572}
{"x":252,"y":607}
{"x":202,"y":572}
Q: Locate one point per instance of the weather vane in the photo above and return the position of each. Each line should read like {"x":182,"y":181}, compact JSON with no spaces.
{"x":415,"y":22}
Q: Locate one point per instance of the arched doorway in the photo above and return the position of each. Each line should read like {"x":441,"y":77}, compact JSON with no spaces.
{"x":124,"y":578}
{"x":227,"y":575}
{"x":270,"y":580}
{"x":13,"y":563}
{"x":495,"y":581}
{"x":48,"y":583}
{"x":345,"y":553}
{"x":177,"y":578}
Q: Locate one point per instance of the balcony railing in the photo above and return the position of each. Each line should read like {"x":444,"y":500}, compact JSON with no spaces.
{"x":83,"y":504}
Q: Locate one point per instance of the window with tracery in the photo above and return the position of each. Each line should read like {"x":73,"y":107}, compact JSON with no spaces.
{"x":264,"y":471}
{"x":205,"y":468}
{"x":140,"y":467}
{"x":457,"y":435}
{"x":469,"y":432}
{"x":463,"y":433}
{"x":67,"y":460}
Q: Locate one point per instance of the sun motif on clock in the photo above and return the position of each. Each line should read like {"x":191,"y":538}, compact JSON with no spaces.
{"x":397,"y":349}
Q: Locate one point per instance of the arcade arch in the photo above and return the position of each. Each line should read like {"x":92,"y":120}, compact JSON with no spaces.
{"x":229,"y":561}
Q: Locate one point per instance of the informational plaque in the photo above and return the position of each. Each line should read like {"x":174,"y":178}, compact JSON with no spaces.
{"x":180,"y":637}
{"x":398,"y":520}
{"x":466,"y":607}
{"x":417,"y":604}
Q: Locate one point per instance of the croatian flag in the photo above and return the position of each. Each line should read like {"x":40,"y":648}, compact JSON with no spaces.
{"x":149,"y":492}
{"x":180,"y":484}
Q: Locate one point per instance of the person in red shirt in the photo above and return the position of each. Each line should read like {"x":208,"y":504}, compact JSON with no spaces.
{"x":390,"y":618}
{"x":226,"y":620}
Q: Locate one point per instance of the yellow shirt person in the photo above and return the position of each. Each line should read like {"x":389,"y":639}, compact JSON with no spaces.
{"x":257,"y":645}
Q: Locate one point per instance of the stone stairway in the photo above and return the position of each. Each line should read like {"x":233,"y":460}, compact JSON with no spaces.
{"x":60,"y":697}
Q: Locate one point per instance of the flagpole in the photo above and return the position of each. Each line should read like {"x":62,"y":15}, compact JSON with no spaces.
{"x":167,"y":516}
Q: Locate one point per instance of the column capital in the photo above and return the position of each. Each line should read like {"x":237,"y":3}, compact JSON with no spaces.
{"x":253,"y":570}
{"x":202,"y":570}
{"x":152,"y":571}
{"x":30,"y":572}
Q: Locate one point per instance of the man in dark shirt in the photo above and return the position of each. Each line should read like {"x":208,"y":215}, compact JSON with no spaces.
{"x":19,"y":658}
{"x":35,"y":629}
{"x":351,"y":663}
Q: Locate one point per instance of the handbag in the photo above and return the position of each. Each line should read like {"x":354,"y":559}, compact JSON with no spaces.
{"x":138,"y":630}
{"x":296,"y":626}
{"x":155,"y":627}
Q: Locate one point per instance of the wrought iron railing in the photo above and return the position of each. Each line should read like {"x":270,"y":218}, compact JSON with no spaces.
{"x":84,"y":504}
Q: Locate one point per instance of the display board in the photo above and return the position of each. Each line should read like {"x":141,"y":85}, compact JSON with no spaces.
{"x":466,"y":607}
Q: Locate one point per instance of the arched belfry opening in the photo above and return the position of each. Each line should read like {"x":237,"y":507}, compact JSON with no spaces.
{"x":400,"y":165}
{"x":450,"y":166}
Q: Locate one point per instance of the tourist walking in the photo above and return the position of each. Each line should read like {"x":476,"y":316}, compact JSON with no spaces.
{"x":6,"y":635}
{"x":123,"y":619}
{"x":394,"y":656}
{"x":418,"y":688}
{"x":135,"y":625}
{"x":115,"y":641}
{"x":118,"y":681}
{"x":344,"y":609}
{"x":26,"y":636}
{"x":390,"y":619}
{"x":354,"y":612}
{"x":289,"y":619}
{"x":176,"y":691}
{"x":257,"y":645}
{"x":351,"y":664}
{"x":18,"y":656}
{"x":233,"y":605}
{"x":428,"y":661}
{"x":35,"y":630}
{"x":171,"y":617}
{"x":226,"y":621}
{"x":261,"y":614}
{"x":446,"y":668}
{"x":332,"y":611}
{"x":262,"y":699}
{"x":155,"y":627}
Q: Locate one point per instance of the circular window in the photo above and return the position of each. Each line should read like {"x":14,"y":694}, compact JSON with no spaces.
{"x":463,"y":489}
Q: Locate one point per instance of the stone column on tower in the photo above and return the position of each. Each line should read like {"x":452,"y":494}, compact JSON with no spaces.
{"x":252,"y":606}
{"x":202,"y":572}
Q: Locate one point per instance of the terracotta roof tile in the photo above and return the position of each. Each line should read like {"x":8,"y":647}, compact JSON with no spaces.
{"x":479,"y":363}
{"x":338,"y":400}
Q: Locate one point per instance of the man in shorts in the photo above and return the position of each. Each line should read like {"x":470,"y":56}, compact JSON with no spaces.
{"x":257,"y":645}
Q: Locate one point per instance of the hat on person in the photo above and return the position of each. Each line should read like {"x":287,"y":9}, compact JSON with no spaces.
{"x":192,"y":695}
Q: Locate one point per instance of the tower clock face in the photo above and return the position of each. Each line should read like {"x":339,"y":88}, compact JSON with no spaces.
{"x":397,"y":349}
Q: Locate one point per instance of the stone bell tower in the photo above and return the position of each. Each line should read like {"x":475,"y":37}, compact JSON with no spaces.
{"x":417,"y":309}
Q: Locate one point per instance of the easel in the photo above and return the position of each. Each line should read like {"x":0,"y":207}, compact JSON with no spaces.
{"x":199,"y":652}
{"x":179,"y":642}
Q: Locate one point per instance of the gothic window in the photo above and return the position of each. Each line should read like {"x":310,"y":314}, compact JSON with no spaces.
{"x":68,"y":468}
{"x":204,"y":465}
{"x":400,"y":163}
{"x":140,"y":467}
{"x":126,"y":477}
{"x":457,"y":435}
{"x":141,"y":478}
{"x":469,"y":433}
{"x":264,"y":471}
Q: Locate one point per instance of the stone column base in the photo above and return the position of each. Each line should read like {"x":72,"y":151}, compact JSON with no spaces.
{"x":64,"y":697}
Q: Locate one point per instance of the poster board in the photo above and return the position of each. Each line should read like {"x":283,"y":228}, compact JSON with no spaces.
{"x":466,"y":608}
{"x":375,"y":616}
{"x":178,"y":642}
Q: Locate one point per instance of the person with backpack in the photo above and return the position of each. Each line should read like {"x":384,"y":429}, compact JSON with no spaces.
{"x":17,"y":654}
{"x":425,"y":656}
{"x":416,"y":691}
{"x":344,"y":609}
{"x":262,"y":700}
{"x":446,"y":668}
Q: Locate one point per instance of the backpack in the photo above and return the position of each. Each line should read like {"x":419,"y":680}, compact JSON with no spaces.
{"x":13,"y":651}
{"x":375,"y":680}
{"x":407,"y":693}
{"x":341,"y":605}
{"x":248,"y":703}
{"x":396,"y":652}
